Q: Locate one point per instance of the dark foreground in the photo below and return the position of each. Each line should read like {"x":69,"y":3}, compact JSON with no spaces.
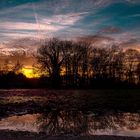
{"x":68,"y":112}
{"x":11,"y":135}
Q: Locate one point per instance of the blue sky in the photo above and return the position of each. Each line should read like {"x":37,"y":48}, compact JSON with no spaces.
{"x":119,"y":19}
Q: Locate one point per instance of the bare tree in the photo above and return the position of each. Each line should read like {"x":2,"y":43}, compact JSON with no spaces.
{"x":77,"y":61}
{"x":99,"y":62}
{"x":51,"y":56}
{"x":17,"y":67}
{"x":115,"y":62}
{"x":131,"y":60}
{"x":86,"y":54}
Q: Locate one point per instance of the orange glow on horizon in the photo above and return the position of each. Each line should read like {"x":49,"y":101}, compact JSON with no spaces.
{"x":28,"y":72}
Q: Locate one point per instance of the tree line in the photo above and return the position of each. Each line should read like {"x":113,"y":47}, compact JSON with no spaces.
{"x":80,"y":64}
{"x":75,"y":64}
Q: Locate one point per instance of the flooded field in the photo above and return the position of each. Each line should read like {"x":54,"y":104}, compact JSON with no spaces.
{"x":126,"y":125}
{"x":69,"y":112}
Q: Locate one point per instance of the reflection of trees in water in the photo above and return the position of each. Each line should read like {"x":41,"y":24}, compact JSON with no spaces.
{"x":115,"y":121}
{"x":133,"y":121}
{"x":80,"y":123}
{"x":68,"y":116}
{"x":63,"y":116}
{"x":65,"y":122}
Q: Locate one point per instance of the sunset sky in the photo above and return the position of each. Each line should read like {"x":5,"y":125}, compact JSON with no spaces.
{"x":24,"y":22}
{"x":37,"y":18}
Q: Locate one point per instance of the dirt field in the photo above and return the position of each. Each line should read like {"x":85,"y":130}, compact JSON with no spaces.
{"x":11,"y":135}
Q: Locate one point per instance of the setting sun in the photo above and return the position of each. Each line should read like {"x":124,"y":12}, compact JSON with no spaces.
{"x":28,"y":72}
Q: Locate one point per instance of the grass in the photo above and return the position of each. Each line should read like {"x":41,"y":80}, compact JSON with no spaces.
{"x":117,"y":100}
{"x":105,"y":100}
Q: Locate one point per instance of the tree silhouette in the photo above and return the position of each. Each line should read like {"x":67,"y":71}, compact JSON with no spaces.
{"x":78,"y":64}
{"x":17,"y":67}
{"x":51,"y":56}
{"x":131,"y":57}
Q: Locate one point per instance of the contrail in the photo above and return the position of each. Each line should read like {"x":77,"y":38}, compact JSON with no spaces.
{"x":37,"y":21}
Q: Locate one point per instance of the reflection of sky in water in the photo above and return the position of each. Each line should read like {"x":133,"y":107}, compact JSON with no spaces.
{"x":130,"y":125}
{"x":126,"y":124}
{"x":20,"y":123}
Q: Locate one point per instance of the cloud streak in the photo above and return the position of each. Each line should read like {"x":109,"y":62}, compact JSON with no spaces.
{"x":27,"y":26}
{"x":44,"y":25}
{"x":71,"y":18}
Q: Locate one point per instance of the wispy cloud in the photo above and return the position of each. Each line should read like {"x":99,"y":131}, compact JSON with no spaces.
{"x":135,"y":15}
{"x":27,"y":26}
{"x":45,"y":25}
{"x":110,"y":30}
{"x":64,"y":19}
{"x":70,"y":18}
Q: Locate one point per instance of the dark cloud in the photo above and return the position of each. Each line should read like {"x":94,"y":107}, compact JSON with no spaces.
{"x":110,"y":30}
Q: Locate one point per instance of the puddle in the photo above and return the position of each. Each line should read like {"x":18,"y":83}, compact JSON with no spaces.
{"x":21,"y":123}
{"x":127,"y":125}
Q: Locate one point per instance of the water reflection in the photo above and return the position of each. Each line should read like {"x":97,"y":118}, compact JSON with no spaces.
{"x":26,"y":122}
{"x":75,"y":123}
{"x":79,"y":123}
{"x":65,"y":122}
{"x":63,"y":115}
